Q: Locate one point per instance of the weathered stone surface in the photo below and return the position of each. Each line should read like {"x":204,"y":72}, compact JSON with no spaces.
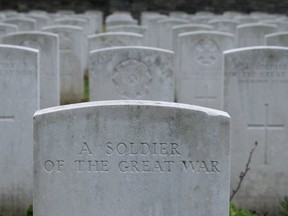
{"x":255,"y":92}
{"x":131,"y":157}
{"x":19,"y":96}
{"x":199,"y":79}
{"x":131,"y":73}
{"x":48,"y":46}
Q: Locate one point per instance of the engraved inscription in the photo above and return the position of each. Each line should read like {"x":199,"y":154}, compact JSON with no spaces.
{"x":133,"y":157}
{"x":132,"y":78}
{"x":259,"y":73}
{"x":206,"y":52}
{"x":266,"y":127}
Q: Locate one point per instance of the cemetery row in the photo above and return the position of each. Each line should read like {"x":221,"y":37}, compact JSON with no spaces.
{"x":91,"y":153}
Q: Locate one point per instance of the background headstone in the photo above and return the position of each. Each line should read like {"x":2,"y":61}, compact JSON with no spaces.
{"x":131,"y":73}
{"x":255,"y":92}
{"x":19,"y":98}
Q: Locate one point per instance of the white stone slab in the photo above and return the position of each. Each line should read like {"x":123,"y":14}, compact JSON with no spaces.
{"x":153,"y":27}
{"x":6,"y":28}
{"x":131,"y":28}
{"x":178,"y":29}
{"x":41,"y":20}
{"x":277,"y":39}
{"x":131,"y":157}
{"x":120,"y":18}
{"x":19,"y":96}
{"x":199,"y":79}
{"x":71,"y":62}
{"x":165,"y":31}
{"x":255,"y":95}
{"x":24,"y":24}
{"x":48,"y":46}
{"x":224,"y":25}
{"x":253,"y":34}
{"x":112,"y":39}
{"x":131,"y":73}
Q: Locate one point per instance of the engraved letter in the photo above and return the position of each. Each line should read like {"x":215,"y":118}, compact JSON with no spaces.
{"x":85,"y":148}
{"x":60,"y":165}
{"x":163,"y":149}
{"x":186,"y":165}
{"x":96,"y":165}
{"x":49,"y":165}
{"x":79,"y":164}
{"x":143,"y":148}
{"x":123,"y":166}
{"x":174,"y":148}
{"x":105,"y":167}
{"x":124,"y":148}
{"x":168,"y":165}
{"x":214,"y":167}
{"x":109,"y":150}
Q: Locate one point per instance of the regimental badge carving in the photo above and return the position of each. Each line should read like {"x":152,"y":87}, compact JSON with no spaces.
{"x":132,"y":78}
{"x":32,"y":43}
{"x":206,"y":52}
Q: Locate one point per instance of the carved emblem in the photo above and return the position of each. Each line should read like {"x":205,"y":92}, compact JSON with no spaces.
{"x":207,"y":52}
{"x":32,"y":43}
{"x":132,"y":78}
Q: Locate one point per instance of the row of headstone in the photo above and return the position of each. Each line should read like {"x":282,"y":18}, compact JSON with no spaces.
{"x":148,"y":73}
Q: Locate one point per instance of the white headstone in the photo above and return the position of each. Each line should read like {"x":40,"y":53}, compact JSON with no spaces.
{"x":19,"y":96}
{"x":165,"y":31}
{"x":253,"y":34}
{"x":131,"y":73}
{"x":199,"y":79}
{"x":48,"y":46}
{"x":224,"y":25}
{"x":131,"y":157}
{"x":112,"y":39}
{"x":277,"y":39}
{"x":255,"y":95}
{"x":6,"y":28}
{"x":24,"y":24}
{"x":130,"y":28}
{"x":71,"y":62}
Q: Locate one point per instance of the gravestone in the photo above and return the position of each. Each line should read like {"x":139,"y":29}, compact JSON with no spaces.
{"x":277,"y":39}
{"x":6,"y":28}
{"x":224,"y":25}
{"x":131,"y":157}
{"x":19,"y":98}
{"x":165,"y":31}
{"x":178,"y":29}
{"x":255,"y":89}
{"x":120,"y":18}
{"x":48,"y":46}
{"x":130,"y":28}
{"x":199,"y":79}
{"x":41,"y":20}
{"x":113,"y":39}
{"x":131,"y":73}
{"x":71,"y":62}
{"x":253,"y":34}
{"x":24,"y":24}
{"x":153,"y":28}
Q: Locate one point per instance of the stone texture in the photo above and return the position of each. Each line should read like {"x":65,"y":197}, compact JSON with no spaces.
{"x":255,"y":92}
{"x":71,"y":62}
{"x":199,"y":79}
{"x":131,"y":157}
{"x":48,"y":46}
{"x":131,"y":73}
{"x":19,"y":96}
{"x":253,"y":34}
{"x":114,"y":39}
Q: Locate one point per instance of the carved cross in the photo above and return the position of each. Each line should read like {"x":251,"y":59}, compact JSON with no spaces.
{"x":206,"y":96}
{"x":266,"y":127}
